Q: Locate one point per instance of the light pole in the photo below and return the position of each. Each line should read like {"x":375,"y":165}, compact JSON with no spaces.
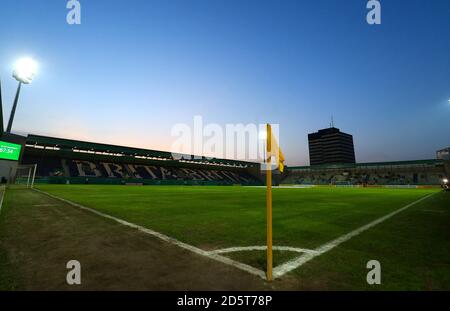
{"x":24,"y":72}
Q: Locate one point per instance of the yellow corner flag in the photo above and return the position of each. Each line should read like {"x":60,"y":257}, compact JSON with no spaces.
{"x":273,"y":149}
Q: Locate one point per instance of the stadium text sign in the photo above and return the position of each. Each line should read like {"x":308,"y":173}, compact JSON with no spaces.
{"x":9,"y":151}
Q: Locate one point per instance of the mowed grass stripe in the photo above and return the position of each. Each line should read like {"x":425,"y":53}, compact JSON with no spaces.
{"x":219,"y":217}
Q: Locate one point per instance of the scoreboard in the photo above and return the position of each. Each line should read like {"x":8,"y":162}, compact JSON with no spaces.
{"x":9,"y":151}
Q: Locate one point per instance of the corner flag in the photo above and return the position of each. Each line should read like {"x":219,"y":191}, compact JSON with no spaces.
{"x":273,"y":149}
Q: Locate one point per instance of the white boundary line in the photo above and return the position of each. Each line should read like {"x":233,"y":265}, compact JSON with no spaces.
{"x":299,"y":261}
{"x":277,"y":271}
{"x":166,"y":238}
{"x":261,"y":248}
{"x":3,"y":189}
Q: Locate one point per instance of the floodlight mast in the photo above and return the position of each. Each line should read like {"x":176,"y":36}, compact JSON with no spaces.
{"x":13,"y":111}
{"x":24,"y":73}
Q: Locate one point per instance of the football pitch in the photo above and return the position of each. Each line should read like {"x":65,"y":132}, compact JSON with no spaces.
{"x":323,"y":237}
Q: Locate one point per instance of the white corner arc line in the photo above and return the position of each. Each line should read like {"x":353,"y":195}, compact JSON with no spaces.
{"x":299,"y":261}
{"x":165,"y":238}
{"x":261,"y":248}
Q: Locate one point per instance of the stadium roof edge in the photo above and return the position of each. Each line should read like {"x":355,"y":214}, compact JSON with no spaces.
{"x":356,"y":165}
{"x":33,"y":139}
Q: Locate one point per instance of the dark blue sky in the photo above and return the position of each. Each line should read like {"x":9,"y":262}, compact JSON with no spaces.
{"x":133,"y":69}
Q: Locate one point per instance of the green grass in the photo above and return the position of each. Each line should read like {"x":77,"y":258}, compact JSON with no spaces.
{"x":217,"y":217}
{"x":8,"y":281}
{"x":413,"y":246}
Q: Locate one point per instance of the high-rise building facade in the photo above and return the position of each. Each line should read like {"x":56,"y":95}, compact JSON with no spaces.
{"x":330,"y":146}
{"x":443,"y":154}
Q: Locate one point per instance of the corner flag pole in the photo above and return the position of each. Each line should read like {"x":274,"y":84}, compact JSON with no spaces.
{"x":269,"y":202}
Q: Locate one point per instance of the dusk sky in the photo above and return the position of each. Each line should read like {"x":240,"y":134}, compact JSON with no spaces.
{"x":133,"y":69}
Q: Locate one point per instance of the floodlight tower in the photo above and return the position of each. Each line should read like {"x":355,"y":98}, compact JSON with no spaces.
{"x":24,"y":72}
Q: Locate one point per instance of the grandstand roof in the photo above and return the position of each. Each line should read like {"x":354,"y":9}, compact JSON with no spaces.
{"x":54,"y":143}
{"x":369,"y":164}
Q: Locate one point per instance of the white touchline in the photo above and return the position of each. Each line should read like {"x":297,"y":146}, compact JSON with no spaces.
{"x":3,"y":189}
{"x":299,"y":261}
{"x":166,"y":238}
{"x":277,"y":271}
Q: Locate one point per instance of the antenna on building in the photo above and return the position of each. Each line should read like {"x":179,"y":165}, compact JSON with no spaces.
{"x":332,"y":121}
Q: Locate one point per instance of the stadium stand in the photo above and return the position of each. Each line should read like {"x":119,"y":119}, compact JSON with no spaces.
{"x":70,"y":161}
{"x":421,"y":172}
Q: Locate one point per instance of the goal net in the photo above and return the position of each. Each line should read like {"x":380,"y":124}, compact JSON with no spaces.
{"x":23,"y":176}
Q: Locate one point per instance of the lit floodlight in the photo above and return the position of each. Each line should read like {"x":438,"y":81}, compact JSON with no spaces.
{"x":25,"y":70}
